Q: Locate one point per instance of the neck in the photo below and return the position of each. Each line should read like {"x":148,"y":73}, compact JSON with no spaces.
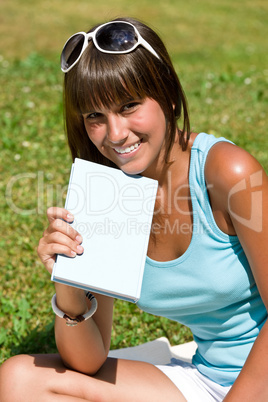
{"x":172,"y":177}
{"x":173,"y":172}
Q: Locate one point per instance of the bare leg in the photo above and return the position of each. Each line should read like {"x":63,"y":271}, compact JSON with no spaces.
{"x":44,"y":378}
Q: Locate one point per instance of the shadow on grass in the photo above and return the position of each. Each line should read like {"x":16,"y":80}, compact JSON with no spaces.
{"x":39,"y":340}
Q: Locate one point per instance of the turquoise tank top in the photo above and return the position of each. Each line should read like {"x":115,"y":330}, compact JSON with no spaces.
{"x":210,"y":288}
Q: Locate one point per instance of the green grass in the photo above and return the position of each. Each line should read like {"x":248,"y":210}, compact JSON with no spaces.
{"x":220,"y":52}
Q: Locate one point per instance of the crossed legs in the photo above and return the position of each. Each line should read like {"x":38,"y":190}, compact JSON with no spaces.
{"x":43,"y":378}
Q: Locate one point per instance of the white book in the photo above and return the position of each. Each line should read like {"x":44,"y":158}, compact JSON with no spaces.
{"x":113,"y":212}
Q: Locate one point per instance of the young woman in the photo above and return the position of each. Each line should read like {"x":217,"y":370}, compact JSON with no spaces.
{"x":207,"y":261}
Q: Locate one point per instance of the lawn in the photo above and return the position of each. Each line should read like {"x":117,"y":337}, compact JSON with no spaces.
{"x":220,"y":53}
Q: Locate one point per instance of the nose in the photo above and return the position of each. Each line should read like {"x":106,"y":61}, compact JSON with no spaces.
{"x":117,"y":131}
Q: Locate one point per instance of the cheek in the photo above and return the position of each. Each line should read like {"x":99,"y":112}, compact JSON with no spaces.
{"x":158,"y":120}
{"x":151,"y":122}
{"x":94,"y":133}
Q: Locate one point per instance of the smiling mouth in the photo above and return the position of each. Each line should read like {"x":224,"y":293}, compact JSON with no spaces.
{"x":128,"y":150}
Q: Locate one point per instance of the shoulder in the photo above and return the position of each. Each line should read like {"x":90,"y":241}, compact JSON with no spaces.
{"x":227,"y":164}
{"x":237,"y":185}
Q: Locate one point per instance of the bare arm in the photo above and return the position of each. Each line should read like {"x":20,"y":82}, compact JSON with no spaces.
{"x":85,"y":346}
{"x":239,"y":187}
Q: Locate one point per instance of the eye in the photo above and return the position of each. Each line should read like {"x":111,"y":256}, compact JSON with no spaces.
{"x":93,"y":115}
{"x":131,"y":106}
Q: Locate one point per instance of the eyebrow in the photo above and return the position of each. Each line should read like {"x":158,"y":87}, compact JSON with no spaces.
{"x":98,"y":108}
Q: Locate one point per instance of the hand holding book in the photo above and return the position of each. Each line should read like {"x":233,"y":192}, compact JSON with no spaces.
{"x":59,"y":238}
{"x":113,"y":212}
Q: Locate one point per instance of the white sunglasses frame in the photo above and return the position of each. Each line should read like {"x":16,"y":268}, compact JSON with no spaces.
{"x":92,"y":35}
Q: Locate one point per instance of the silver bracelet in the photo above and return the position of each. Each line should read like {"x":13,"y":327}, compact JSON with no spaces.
{"x":71,"y":322}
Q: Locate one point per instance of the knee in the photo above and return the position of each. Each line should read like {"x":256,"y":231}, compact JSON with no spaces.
{"x":15,"y":368}
{"x":13,"y":375}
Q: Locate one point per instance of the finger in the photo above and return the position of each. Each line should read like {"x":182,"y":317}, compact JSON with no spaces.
{"x":47,"y":251}
{"x":59,"y":239}
{"x":48,"y":257}
{"x":58,"y":225}
{"x":59,"y":213}
{"x":53,"y":249}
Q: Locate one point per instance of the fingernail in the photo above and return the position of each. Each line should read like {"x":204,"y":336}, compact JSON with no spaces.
{"x":79,"y":239}
{"x":79,"y":249}
{"x":70,"y":217}
{"x":73,"y":254}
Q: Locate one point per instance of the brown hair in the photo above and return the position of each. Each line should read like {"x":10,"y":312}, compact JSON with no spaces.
{"x":101,"y":79}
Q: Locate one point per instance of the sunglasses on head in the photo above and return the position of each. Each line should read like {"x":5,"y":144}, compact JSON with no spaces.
{"x":116,"y":37}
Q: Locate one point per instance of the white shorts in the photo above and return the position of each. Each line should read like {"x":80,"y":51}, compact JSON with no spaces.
{"x":193,"y":385}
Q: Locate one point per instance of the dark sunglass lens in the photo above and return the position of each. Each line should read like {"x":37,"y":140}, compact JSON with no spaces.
{"x":116,"y":37}
{"x":72,"y":50}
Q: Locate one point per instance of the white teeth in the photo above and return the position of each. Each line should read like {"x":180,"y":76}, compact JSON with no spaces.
{"x":128,"y":149}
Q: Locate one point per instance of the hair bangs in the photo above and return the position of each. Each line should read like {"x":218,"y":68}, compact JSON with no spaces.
{"x":106,"y":80}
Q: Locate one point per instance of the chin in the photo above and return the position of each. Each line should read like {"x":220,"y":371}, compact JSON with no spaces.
{"x":131,"y":172}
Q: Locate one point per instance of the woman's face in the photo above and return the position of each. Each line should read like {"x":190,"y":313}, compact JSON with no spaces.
{"x":132,"y":135}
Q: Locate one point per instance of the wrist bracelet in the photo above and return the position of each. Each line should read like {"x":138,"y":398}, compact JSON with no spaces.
{"x":71,"y":322}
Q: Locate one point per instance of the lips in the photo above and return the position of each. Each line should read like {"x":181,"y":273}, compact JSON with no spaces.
{"x":127,"y":150}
